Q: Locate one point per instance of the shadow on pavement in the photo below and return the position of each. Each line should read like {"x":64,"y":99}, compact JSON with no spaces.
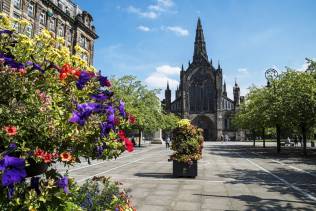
{"x":154,"y":175}
{"x":257,"y":203}
{"x":248,"y":151}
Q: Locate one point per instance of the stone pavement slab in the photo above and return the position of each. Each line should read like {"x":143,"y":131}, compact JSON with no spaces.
{"x":230,"y":177}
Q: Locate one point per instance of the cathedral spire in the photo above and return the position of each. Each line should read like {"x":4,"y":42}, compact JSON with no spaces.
{"x":224,"y":90}
{"x":199,"y":44}
{"x":168,"y":85}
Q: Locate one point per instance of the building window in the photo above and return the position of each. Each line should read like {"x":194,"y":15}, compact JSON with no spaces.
{"x":84,"y":42}
{"x":16,"y":25}
{"x":42,"y":18}
{"x":60,"y":5}
{"x":40,"y":29}
{"x":84,"y":57}
{"x":61,"y":31}
{"x":67,"y":11}
{"x":29,"y":30}
{"x":17,"y":4}
{"x":30,"y":9}
{"x":1,"y":6}
{"x":86,"y":20}
{"x":52,"y":24}
{"x":69,"y":36}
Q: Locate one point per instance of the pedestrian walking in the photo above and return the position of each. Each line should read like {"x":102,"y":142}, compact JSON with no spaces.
{"x":133,"y":141}
{"x":301,"y":140}
{"x":167,"y":142}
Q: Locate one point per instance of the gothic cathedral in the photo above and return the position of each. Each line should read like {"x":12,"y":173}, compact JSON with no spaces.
{"x":202,"y":96}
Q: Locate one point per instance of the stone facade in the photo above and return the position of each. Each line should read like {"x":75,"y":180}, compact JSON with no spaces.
{"x":202,"y":95}
{"x":62,"y":17}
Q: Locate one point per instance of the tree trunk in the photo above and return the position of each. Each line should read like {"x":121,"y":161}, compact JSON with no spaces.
{"x":263,"y":138}
{"x":139,"y":136}
{"x":304,"y":140}
{"x":254,"y":138}
{"x":278,"y":131}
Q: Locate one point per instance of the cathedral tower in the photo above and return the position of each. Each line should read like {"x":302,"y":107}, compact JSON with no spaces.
{"x":236,"y":91}
{"x":199,"y":45}
{"x":168,"y":98}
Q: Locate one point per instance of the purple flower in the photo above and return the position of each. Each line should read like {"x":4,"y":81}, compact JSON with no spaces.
{"x":6,"y":32}
{"x":122,"y":109}
{"x":106,"y":127}
{"x":13,"y":172}
{"x":83,"y":79}
{"x":35,"y":66}
{"x":104,"y":81}
{"x":83,"y":112}
{"x":11,"y":62}
{"x":12,"y":147}
{"x":63,"y":183}
{"x":102,"y":96}
{"x":110,"y":114}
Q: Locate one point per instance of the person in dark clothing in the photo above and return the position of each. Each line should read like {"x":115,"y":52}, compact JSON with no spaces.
{"x":133,"y":141}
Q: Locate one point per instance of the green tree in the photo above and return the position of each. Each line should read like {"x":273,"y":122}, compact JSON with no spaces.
{"x":298,"y":91}
{"x":253,"y":112}
{"x":143,"y":103}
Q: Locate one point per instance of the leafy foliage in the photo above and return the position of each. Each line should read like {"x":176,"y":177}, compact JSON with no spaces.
{"x":187,"y":142}
{"x":54,"y":107}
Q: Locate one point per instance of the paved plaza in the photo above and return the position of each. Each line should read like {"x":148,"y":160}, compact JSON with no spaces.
{"x":231,"y":176}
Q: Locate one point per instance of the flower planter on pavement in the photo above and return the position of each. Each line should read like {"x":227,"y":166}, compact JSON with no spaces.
{"x":181,"y":169}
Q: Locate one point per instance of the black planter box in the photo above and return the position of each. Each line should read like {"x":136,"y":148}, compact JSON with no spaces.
{"x":184,"y":169}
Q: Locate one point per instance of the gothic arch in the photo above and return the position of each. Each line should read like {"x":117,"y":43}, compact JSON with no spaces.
{"x":207,"y":125}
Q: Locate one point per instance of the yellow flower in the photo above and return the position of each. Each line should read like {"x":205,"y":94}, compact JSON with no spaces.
{"x":183,"y":123}
{"x":24,"y":22}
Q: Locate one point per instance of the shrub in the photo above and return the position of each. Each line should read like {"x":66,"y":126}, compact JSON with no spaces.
{"x":187,"y":142}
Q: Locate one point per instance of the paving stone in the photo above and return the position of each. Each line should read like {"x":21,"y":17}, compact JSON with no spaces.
{"x":227,"y":180}
{"x":151,"y":208}
{"x":183,"y":205}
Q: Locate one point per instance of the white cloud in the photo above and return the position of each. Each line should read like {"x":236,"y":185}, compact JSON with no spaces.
{"x":168,"y":70}
{"x":162,"y":75}
{"x":153,"y":10}
{"x":177,"y":30}
{"x":242,"y":70}
{"x":145,"y":14}
{"x":143,"y":28}
{"x":161,"y":5}
{"x":158,"y":80}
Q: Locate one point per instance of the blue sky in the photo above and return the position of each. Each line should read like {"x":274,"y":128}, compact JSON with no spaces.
{"x":151,"y":39}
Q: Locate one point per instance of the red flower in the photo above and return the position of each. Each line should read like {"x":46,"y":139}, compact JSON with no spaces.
{"x":63,"y":76}
{"x":129,"y":146}
{"x":39,"y":153}
{"x":10,"y":130}
{"x":47,"y":157}
{"x":66,"y":70}
{"x":117,"y":121}
{"x":121,"y":134}
{"x":77,"y":73}
{"x":131,"y":119}
{"x":66,"y":156}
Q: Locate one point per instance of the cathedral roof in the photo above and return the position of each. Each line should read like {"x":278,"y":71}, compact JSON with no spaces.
{"x":199,"y":44}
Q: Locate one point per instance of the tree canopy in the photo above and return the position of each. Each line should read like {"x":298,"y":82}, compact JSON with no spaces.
{"x":143,"y":103}
{"x":290,"y":102}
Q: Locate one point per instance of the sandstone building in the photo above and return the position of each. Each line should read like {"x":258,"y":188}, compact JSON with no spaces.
{"x":202,"y":95}
{"x":62,"y":17}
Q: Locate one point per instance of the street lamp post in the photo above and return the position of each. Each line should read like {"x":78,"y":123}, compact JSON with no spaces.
{"x":271,"y":74}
